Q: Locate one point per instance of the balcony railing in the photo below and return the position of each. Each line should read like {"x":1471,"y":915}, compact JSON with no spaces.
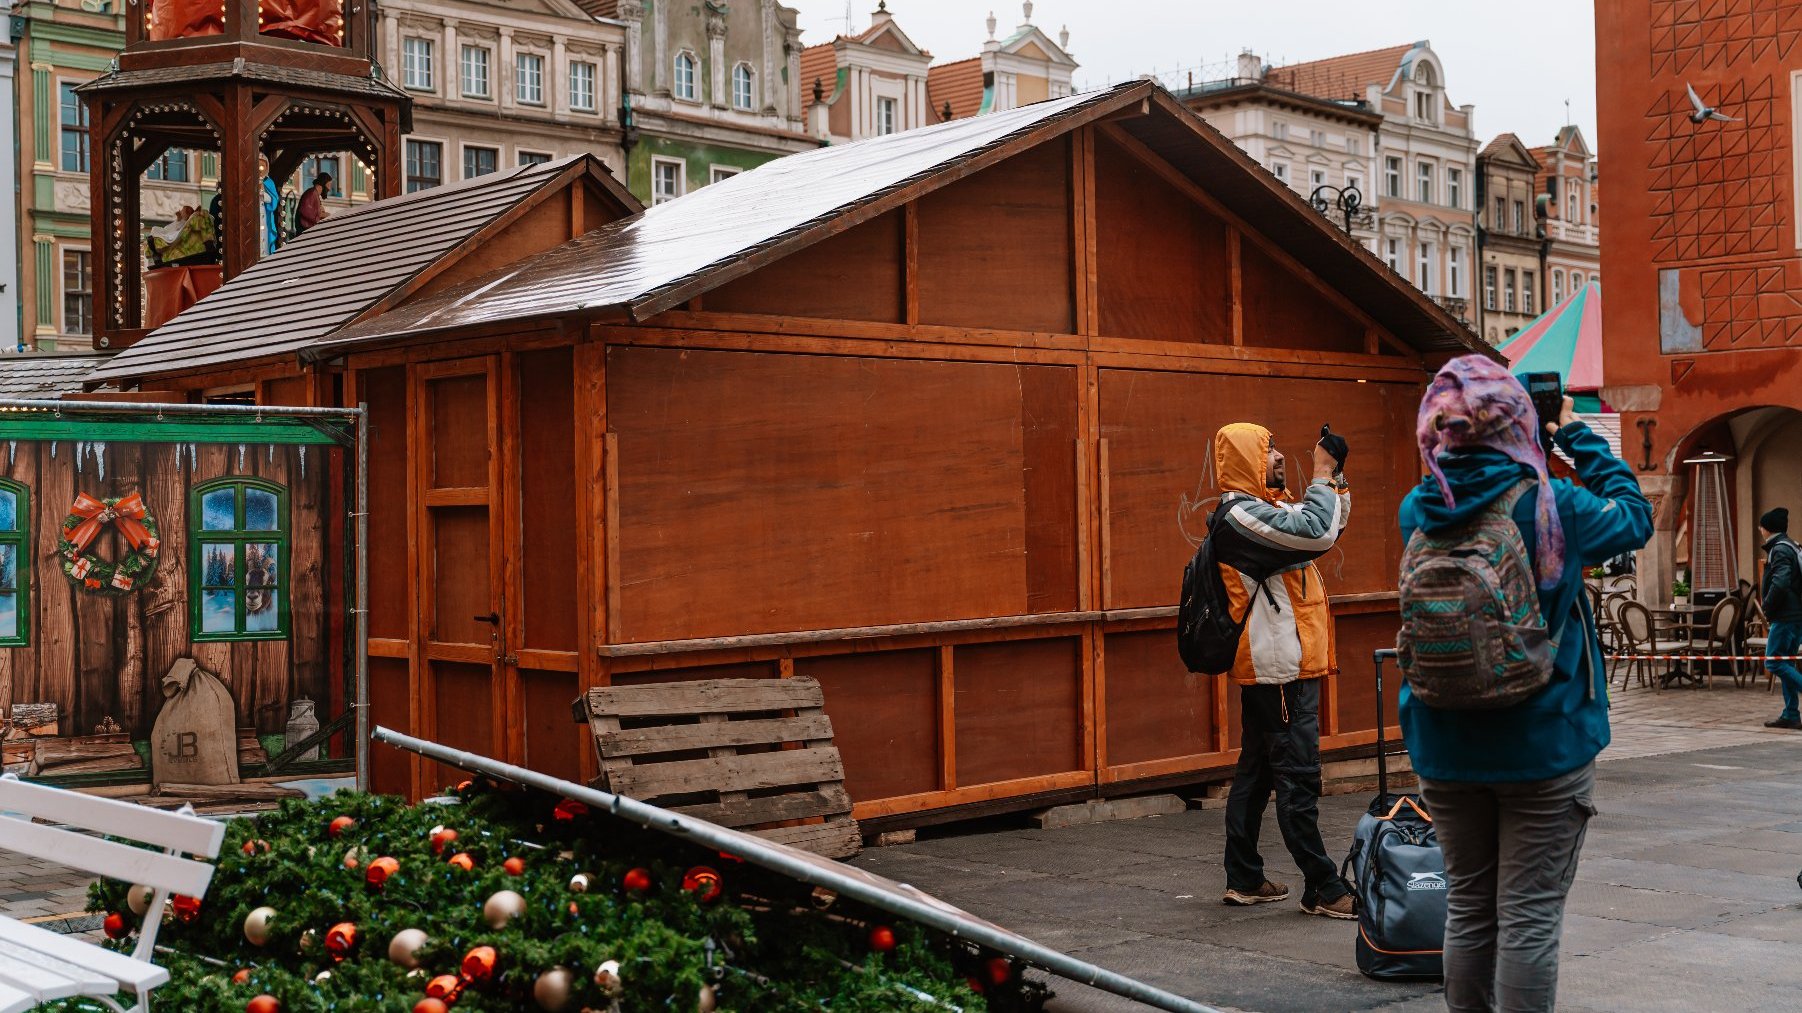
{"x":1456,"y":305}
{"x":1570,"y":232}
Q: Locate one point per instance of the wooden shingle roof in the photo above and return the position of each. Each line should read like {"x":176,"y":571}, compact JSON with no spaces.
{"x":45,"y":376}
{"x":346,"y":266}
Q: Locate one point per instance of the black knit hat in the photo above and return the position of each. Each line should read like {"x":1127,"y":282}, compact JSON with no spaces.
{"x":1776,"y":521}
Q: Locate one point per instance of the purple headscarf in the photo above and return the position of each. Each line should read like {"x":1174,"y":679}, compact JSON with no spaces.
{"x":1473,"y":402}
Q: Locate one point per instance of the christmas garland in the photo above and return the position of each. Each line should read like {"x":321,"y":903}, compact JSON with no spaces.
{"x":510,"y":900}
{"x":87,"y":518}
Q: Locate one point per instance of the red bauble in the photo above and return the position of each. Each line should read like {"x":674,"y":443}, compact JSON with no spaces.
{"x":339,"y":825}
{"x":241,"y":976}
{"x":515,"y":866}
{"x":638,"y":880}
{"x":704,"y":883}
{"x":1000,"y":970}
{"x":186,"y":908}
{"x":441,"y":837}
{"x":379,"y":871}
{"x":569,"y":809}
{"x":882,"y":939}
{"x":975,"y":986}
{"x":431,"y":1005}
{"x":445,"y":987}
{"x":462,"y":861}
{"x":340,"y":940}
{"x":264,"y":1003}
{"x":478,"y":964}
{"x":255,"y":847}
{"x":116,"y":926}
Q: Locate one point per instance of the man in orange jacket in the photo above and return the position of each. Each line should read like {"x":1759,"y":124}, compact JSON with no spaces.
{"x":1267,"y":545}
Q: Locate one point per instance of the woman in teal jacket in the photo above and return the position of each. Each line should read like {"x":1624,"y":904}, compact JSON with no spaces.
{"x":1510,"y":790}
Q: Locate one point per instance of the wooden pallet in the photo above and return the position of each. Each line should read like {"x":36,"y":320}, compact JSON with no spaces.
{"x":753,"y":754}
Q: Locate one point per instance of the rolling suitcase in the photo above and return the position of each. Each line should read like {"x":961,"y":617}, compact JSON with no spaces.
{"x":1398,"y":875}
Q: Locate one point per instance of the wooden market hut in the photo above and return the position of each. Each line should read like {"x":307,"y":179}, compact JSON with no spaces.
{"x":926,"y":417}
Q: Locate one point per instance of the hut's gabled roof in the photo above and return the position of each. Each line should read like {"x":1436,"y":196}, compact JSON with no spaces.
{"x":348,"y":266}
{"x":670,"y":253}
{"x":663,"y":256}
{"x":45,"y":376}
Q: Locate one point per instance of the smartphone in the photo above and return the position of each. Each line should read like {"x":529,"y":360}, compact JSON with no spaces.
{"x":1547,"y":392}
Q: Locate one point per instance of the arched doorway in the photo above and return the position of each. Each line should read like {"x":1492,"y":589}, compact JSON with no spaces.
{"x":1726,"y":473}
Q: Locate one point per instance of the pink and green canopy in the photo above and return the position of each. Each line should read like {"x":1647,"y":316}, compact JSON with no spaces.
{"x":1567,"y":340}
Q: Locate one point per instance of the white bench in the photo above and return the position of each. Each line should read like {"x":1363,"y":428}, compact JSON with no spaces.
{"x":37,"y":965}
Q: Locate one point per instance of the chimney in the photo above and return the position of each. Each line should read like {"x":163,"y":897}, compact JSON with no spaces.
{"x":1251,"y":66}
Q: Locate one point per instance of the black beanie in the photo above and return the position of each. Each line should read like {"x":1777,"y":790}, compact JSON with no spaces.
{"x":1775,"y":521}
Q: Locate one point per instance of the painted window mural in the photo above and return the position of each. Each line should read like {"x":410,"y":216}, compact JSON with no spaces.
{"x":239,"y":574}
{"x":15,"y":565}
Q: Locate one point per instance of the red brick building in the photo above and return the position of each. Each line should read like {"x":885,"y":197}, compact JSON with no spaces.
{"x":1704,"y":326}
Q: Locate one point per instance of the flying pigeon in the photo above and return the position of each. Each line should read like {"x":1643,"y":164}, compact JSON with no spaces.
{"x":1705,"y":112}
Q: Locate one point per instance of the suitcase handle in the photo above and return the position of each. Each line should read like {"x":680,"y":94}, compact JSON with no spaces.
{"x":1379,"y":656}
{"x":1410,"y":803}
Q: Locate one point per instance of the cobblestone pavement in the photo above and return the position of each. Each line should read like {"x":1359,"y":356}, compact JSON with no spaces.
{"x":1686,"y":897}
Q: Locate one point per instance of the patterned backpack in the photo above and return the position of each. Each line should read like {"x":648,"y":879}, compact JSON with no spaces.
{"x":1472,"y":637}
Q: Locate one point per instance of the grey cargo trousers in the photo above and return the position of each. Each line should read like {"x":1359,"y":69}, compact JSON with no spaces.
{"x":1510,"y":855}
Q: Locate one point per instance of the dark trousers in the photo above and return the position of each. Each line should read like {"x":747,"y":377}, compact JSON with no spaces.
{"x":1279,"y":748}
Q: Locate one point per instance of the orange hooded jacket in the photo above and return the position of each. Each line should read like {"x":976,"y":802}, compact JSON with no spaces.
{"x":1288,"y":629}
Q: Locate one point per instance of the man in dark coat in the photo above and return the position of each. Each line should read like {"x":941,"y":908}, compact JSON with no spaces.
{"x":1782,"y":600}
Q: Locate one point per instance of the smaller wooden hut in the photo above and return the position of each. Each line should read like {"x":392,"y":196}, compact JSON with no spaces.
{"x":925,"y":417}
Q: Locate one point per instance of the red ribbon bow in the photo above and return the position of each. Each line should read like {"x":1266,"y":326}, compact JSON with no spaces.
{"x":126,"y":515}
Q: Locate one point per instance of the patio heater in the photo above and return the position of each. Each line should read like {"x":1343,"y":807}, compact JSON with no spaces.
{"x":1713,"y":561}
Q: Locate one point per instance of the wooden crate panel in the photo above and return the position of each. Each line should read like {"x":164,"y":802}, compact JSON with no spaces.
{"x":1283,"y":311}
{"x":1018,"y":709}
{"x":996,"y":247}
{"x":1162,"y":265}
{"x":547,"y":499}
{"x":855,"y":275}
{"x":767,"y":492}
{"x":1156,"y":708}
{"x":884,"y":708}
{"x":750,"y":753}
{"x":1355,"y":638}
{"x":1160,"y":432}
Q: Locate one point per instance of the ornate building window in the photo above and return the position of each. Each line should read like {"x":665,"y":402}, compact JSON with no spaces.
{"x":685,"y":78}
{"x":581,"y":86}
{"x":475,"y":72}
{"x":479,"y":161}
{"x":74,"y":117}
{"x":171,"y":166}
{"x":666,"y":179}
{"x":238,"y":561}
{"x":78,"y":292}
{"x":425,"y":165}
{"x":416,"y":63}
{"x":15,"y":564}
{"x":886,"y":116}
{"x":741,"y":86}
{"x":528,"y":78}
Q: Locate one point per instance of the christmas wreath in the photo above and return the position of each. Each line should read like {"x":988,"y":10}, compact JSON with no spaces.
{"x":87,"y":518}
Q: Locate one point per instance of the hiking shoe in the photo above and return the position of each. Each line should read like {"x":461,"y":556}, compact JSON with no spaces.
{"x":1783,"y":723}
{"x":1262,"y":895}
{"x":1344,"y":907}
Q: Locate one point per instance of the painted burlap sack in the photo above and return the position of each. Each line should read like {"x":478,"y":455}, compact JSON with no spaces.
{"x":195,"y":738}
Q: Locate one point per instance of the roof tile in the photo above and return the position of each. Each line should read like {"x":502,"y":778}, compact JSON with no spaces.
{"x":1341,"y":76}
{"x":957,"y":84}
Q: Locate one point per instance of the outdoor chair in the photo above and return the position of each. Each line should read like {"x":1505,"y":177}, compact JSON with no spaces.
{"x":1639,"y":636}
{"x":1723,"y":628}
{"x":1756,"y":640}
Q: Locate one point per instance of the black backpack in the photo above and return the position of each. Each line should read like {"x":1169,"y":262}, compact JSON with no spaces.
{"x":1207,"y":635}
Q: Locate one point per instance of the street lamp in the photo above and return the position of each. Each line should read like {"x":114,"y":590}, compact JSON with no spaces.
{"x":1347,"y":201}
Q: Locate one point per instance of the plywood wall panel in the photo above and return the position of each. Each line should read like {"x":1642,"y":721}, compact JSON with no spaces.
{"x":1160,"y":428}
{"x":548,"y":525}
{"x":390,"y":611}
{"x":389,"y":769}
{"x":1049,"y":396}
{"x":1356,"y":638}
{"x":884,"y":711}
{"x":1163,"y":272}
{"x":554,"y":743}
{"x":995,"y":248}
{"x":855,"y":275}
{"x":1283,"y":311}
{"x":766,"y":492}
{"x":1018,"y":709}
{"x":1156,"y":708}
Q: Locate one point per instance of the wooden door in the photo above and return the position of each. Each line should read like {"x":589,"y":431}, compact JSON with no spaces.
{"x":458,"y":480}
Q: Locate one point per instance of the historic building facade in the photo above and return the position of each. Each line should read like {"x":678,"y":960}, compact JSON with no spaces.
{"x":1425,"y":162}
{"x":1307,"y":141}
{"x":1511,"y":245}
{"x":496,"y":85}
{"x":711,"y":89}
{"x":1569,"y":204}
{"x":1704,"y":262}
{"x":1023,"y":68}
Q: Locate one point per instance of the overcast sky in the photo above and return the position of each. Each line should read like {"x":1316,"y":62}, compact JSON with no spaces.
{"x":1517,"y":61}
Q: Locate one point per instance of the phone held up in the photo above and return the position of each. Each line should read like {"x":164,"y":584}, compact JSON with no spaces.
{"x":1547,"y":392}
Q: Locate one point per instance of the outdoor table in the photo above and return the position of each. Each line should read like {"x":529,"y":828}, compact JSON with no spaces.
{"x":1682,"y":618}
